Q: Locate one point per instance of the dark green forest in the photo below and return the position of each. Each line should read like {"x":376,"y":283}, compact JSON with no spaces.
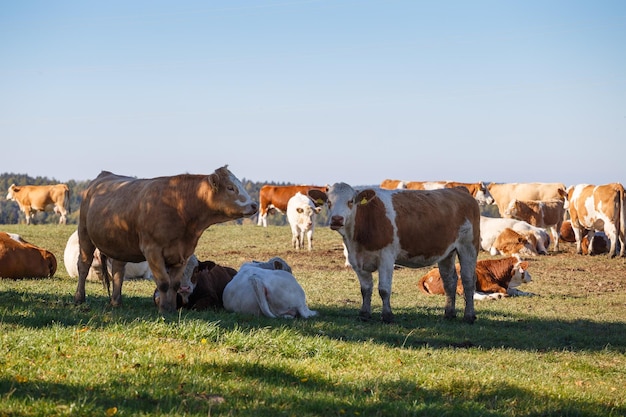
{"x":10,"y":212}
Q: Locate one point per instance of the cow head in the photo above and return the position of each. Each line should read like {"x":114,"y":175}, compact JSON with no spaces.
{"x":13,"y":188}
{"x":340,"y":202}
{"x":483,"y":196}
{"x":519,"y":274}
{"x":234,"y":200}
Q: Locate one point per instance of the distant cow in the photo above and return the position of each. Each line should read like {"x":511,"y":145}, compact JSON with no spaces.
{"x":495,"y":278}
{"x":547,"y":214}
{"x":70,"y":258}
{"x":276,"y":197}
{"x":381,"y":228}
{"x":34,"y":198}
{"x":492,"y":227}
{"x":158,"y":220}
{"x":504,"y":193}
{"x":598,"y":207}
{"x":301,"y":214}
{"x":255,"y":289}
{"x":599,"y":242}
{"x":21,"y":259}
{"x":477,"y":189}
{"x":509,"y":242}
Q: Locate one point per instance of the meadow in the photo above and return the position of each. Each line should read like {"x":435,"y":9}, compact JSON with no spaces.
{"x":559,"y":353}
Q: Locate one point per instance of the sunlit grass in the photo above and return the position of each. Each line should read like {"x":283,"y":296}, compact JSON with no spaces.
{"x":562,"y":352}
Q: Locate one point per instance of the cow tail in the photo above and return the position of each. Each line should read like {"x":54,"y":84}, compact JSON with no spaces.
{"x":106,"y":277}
{"x":68,"y":206}
{"x":261,"y":296}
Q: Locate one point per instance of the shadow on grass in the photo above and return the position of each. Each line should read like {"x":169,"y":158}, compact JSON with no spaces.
{"x":413,"y":328}
{"x":274,"y":391}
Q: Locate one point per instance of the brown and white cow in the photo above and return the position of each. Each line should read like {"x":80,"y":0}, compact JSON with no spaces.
{"x":477,"y":189}
{"x":21,"y":259}
{"x":546,"y":214}
{"x":509,"y":242}
{"x":381,"y":228}
{"x":159,"y":220}
{"x":276,"y":197}
{"x":598,"y":207}
{"x":495,"y":278}
{"x":599,"y":241}
{"x":504,"y":193}
{"x":34,"y":198}
{"x":492,"y":227}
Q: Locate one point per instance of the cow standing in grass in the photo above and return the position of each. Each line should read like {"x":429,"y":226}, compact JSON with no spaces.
{"x":159,"y":220}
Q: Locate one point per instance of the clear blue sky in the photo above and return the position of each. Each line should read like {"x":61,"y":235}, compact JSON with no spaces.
{"x":316,"y":91}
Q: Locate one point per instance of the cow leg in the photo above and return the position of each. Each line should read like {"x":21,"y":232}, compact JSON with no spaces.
{"x":579,"y":232}
{"x":449,"y":278}
{"x":85,"y":259}
{"x":467,"y":259}
{"x":367,"y":285}
{"x":118,"y":270}
{"x":385,"y":278}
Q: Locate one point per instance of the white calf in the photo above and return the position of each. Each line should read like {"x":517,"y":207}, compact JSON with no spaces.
{"x":301,"y":212}
{"x":269,"y":292}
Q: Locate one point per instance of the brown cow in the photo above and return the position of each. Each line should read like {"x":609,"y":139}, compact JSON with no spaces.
{"x":599,"y":242}
{"x":495,"y":278}
{"x":546,"y":214}
{"x":504,"y":193}
{"x":20,"y":259}
{"x":276,"y":197}
{"x":34,"y":198}
{"x":477,"y":189}
{"x":381,"y":228}
{"x":159,"y":220}
{"x":598,"y":207}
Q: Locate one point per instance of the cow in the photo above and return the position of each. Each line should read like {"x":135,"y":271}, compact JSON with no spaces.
{"x":548,"y":214}
{"x":599,"y":241}
{"x":209,"y":281}
{"x":495,"y":278}
{"x":21,"y":259}
{"x":34,"y":198}
{"x":70,"y":259}
{"x":492,"y":227}
{"x":477,"y":189}
{"x":276,"y":197}
{"x":503,"y":193}
{"x":259,"y":290}
{"x":301,"y":214}
{"x":598,"y":207}
{"x":381,"y":228}
{"x":509,"y":242}
{"x":158,"y":220}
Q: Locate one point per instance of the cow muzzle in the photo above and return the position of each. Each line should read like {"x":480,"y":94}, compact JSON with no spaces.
{"x":336,"y":222}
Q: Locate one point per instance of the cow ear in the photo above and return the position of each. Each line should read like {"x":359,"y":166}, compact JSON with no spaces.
{"x":278,"y":265}
{"x":318,"y":210}
{"x":364,"y":197}
{"x":214,"y":181}
{"x":319,"y":197}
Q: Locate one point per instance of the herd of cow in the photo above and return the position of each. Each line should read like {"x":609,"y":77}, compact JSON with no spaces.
{"x":149,"y":228}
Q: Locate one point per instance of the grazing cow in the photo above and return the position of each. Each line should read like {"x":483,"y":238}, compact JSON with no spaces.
{"x":598,"y":207}
{"x":21,"y":259}
{"x":70,"y":258}
{"x":503,"y":193}
{"x":255,"y":289}
{"x":477,"y":189}
{"x":547,"y":214}
{"x":158,"y":220}
{"x":381,"y":228}
{"x":495,"y":278}
{"x":276,"y":197}
{"x":301,"y":213}
{"x":34,"y":198}
{"x":492,"y":227}
{"x":510,"y":242}
{"x":599,"y":241}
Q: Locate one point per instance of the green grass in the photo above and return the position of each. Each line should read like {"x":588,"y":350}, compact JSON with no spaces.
{"x":561,"y":353}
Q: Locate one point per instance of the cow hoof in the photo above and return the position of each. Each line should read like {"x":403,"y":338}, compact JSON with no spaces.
{"x":365,"y":316}
{"x":388,"y":318}
{"x":470,"y":318}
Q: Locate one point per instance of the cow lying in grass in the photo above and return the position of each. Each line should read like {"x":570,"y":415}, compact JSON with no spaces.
{"x":495,"y":278}
{"x":509,"y":243}
{"x":20,"y":259}
{"x":272,"y":292}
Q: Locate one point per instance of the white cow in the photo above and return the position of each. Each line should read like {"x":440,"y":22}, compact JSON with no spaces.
{"x":492,"y":227}
{"x":70,"y":258}
{"x":269,"y":292}
{"x":301,"y":213}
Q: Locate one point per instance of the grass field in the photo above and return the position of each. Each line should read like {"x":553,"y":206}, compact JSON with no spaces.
{"x":560,"y":353}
